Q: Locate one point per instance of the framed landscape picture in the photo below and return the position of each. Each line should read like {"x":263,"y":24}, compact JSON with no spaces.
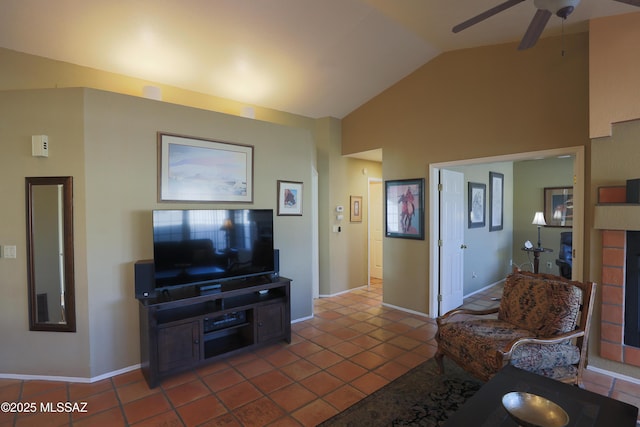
{"x":404,"y":208}
{"x":202,"y":170}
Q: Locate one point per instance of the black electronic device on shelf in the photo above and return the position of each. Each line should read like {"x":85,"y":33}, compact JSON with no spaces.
{"x":226,"y":320}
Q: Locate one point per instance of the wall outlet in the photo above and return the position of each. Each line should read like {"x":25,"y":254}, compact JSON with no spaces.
{"x":474,"y":275}
{"x":549,"y":265}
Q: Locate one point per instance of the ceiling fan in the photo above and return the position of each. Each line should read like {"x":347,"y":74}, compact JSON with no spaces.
{"x":545,"y":8}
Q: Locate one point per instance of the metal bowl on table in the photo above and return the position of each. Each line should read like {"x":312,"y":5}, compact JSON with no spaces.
{"x":531,"y":410}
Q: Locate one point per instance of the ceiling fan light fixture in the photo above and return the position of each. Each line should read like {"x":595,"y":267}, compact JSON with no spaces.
{"x":565,"y":11}
{"x":561,"y":8}
{"x":544,"y":10}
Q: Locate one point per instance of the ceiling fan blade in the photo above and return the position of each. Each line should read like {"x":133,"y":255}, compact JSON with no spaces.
{"x":631,"y":2}
{"x":484,"y":15}
{"x":535,"y":29}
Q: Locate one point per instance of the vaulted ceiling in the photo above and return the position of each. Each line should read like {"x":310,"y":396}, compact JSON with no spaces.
{"x":315,"y":58}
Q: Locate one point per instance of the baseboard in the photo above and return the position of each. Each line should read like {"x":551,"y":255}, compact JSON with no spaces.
{"x":69,"y":379}
{"x":301,"y":319}
{"x":484,"y":289}
{"x":406,"y":310}
{"x":341,"y":292}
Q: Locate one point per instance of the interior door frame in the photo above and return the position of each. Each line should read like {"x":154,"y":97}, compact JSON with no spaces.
{"x":578,"y":209}
{"x":369,"y":181}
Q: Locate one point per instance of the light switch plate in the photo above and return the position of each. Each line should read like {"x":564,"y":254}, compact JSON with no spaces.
{"x":8,"y":251}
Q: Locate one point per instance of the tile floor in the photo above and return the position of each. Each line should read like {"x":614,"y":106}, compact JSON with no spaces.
{"x":352,"y":347}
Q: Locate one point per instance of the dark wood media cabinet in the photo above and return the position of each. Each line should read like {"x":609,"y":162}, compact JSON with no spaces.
{"x":184,"y":328}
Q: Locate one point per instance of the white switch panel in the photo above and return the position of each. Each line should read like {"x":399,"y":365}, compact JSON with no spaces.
{"x":40,"y":146}
{"x":9,"y":251}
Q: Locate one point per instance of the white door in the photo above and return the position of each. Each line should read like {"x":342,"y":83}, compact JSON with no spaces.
{"x":315,"y":239}
{"x":452,"y":223}
{"x":375,"y":229}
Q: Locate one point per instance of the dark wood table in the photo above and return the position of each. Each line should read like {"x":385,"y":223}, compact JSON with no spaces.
{"x":536,"y":256}
{"x":585,"y":408}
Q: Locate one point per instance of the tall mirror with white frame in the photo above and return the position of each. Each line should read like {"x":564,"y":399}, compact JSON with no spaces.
{"x":50,"y":253}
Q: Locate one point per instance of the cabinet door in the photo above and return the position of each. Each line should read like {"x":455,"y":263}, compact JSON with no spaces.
{"x":178,"y":346}
{"x":271,"y":319}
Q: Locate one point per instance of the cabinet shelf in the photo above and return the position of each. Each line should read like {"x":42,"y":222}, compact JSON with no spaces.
{"x":209,"y":336}
{"x":250,"y":299}
{"x":178,"y":334}
{"x":187,"y":311}
{"x":227,"y":342}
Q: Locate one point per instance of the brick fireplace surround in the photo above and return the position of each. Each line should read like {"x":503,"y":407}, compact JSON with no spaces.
{"x":612,"y":345}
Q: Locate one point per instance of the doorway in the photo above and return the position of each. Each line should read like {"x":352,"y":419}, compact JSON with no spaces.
{"x":577,"y":154}
{"x":376,"y":228}
{"x":452,"y":246}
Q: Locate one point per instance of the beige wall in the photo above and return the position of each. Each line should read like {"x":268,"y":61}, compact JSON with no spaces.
{"x":22,"y":114}
{"x":117,"y":135}
{"x":463,"y":104}
{"x":469,"y":104}
{"x":614,"y":66}
{"x":530,"y":178}
{"x":343,"y":255}
{"x":616,"y":159}
{"x":22,"y":71}
{"x":511,"y":102}
{"x":614,"y":61}
{"x":356,"y":233}
{"x":107,"y":142}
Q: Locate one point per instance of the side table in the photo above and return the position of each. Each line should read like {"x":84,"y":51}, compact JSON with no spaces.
{"x":585,"y":408}
{"x":536,"y":256}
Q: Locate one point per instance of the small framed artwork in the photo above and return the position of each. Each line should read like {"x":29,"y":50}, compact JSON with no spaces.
{"x":477,"y":199}
{"x":496,"y":196}
{"x":203,"y":170}
{"x":558,"y":206}
{"x":289,"y":198}
{"x":356,"y":208}
{"x":404,"y":208}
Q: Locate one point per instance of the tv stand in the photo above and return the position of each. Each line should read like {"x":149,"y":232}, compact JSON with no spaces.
{"x":200,"y":326}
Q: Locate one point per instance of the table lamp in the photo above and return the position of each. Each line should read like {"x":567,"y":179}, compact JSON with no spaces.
{"x":538,"y":219}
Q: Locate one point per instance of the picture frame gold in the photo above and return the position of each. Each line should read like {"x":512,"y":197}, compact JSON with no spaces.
{"x":356,"y":209}
{"x":558,"y":206}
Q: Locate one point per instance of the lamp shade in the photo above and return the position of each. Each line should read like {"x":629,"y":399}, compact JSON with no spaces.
{"x":538,"y":219}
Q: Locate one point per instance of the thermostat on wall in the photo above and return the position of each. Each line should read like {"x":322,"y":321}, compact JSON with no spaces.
{"x":40,"y":146}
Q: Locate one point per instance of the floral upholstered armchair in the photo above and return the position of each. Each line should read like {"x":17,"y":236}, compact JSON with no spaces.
{"x":541,"y":325}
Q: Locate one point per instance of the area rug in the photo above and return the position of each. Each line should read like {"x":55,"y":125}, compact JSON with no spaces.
{"x":421,"y":397}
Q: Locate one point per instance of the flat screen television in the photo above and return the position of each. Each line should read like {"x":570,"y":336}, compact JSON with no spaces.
{"x":200,"y":247}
